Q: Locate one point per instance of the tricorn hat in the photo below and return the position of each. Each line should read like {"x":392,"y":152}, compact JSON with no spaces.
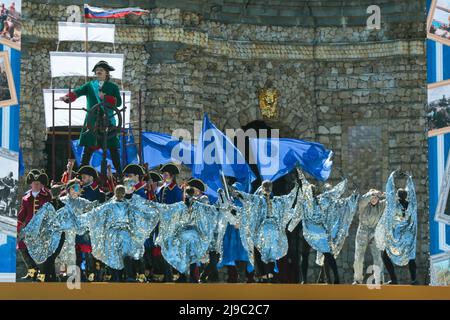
{"x":155,"y":176}
{"x":37,"y":175}
{"x":103,"y":64}
{"x":170,"y":168}
{"x":134,"y":169}
{"x":90,"y":171}
{"x":197,"y":183}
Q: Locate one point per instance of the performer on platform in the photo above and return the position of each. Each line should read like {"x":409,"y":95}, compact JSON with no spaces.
{"x":90,"y":191}
{"x":32,"y":201}
{"x":371,"y":208}
{"x":119,"y":227}
{"x":396,"y":232}
{"x":50,"y":234}
{"x":152,"y":178}
{"x":264,"y":219}
{"x":135,"y":185}
{"x":195,"y":189}
{"x":326,"y":221}
{"x":234,"y":254}
{"x":100,"y":90}
{"x":188,"y":231}
{"x":168,"y":193}
{"x":135,"y":174}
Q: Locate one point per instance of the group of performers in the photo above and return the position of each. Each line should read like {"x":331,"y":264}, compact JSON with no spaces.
{"x":150,"y":228}
{"x":146,"y":227}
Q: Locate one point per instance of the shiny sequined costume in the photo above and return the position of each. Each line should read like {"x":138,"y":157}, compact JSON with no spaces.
{"x":263,"y":224}
{"x":338,"y":219}
{"x":327,"y":218}
{"x":118,"y":229}
{"x":43,"y":232}
{"x":396,"y":231}
{"x":188,"y":233}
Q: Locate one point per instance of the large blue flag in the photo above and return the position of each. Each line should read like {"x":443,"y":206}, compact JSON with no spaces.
{"x":160,"y":148}
{"x":216,"y":153}
{"x":131,"y":154}
{"x":277,"y":157}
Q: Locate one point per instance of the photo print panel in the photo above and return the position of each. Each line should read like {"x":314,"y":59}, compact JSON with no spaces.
{"x":11,"y":23}
{"x":9,"y":167}
{"x":438,"y":105}
{"x":438,"y":23}
{"x":8,"y":95}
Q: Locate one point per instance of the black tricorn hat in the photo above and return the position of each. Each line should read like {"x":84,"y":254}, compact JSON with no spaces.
{"x":134,"y":169}
{"x":197,"y":183}
{"x":37,"y":175}
{"x":170,"y":168}
{"x":103,"y":64}
{"x":155,"y":176}
{"x":90,"y":171}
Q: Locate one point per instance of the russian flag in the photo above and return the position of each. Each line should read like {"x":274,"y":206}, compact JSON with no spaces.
{"x":100,"y":13}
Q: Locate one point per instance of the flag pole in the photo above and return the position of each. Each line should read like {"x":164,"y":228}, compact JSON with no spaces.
{"x":86,"y":43}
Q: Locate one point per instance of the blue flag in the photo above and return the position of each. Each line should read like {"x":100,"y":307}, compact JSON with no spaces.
{"x":216,"y":153}
{"x":160,"y":148}
{"x":131,"y":154}
{"x":277,"y":157}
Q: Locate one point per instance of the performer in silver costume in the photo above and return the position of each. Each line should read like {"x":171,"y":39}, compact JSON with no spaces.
{"x":326,"y":221}
{"x":263,"y":224}
{"x":195,"y":192}
{"x":51,"y":233}
{"x":371,"y":208}
{"x":188,"y":231}
{"x":396,"y":232}
{"x":119,"y":229}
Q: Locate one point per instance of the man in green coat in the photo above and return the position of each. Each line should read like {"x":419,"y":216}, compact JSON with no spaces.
{"x":98,"y":91}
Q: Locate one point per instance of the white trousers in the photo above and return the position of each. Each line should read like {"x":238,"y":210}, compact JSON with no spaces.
{"x":365,"y":237}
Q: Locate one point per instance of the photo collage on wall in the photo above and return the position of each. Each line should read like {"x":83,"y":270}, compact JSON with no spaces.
{"x":438,"y":117}
{"x":10,"y":35}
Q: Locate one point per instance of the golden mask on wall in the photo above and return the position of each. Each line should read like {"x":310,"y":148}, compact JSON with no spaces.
{"x":268,"y":101}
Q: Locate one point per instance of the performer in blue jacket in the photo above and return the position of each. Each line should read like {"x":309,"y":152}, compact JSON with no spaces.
{"x":135,"y":173}
{"x":168,"y":193}
{"x":90,"y":191}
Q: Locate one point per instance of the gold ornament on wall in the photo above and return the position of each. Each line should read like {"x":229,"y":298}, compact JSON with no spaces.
{"x":268,"y":101}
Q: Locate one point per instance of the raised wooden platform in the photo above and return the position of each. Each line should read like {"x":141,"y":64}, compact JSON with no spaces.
{"x":93,"y":291}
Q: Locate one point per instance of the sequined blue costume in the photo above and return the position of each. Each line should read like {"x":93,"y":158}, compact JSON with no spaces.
{"x":188,"y":233}
{"x":396,"y":232}
{"x":118,"y":229}
{"x":43,"y":232}
{"x":327,"y":218}
{"x":263,"y":224}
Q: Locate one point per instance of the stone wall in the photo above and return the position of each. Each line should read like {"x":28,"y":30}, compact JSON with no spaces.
{"x":359,"y":92}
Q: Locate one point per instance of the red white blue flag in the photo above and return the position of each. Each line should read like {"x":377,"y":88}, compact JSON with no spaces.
{"x":100,"y":13}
